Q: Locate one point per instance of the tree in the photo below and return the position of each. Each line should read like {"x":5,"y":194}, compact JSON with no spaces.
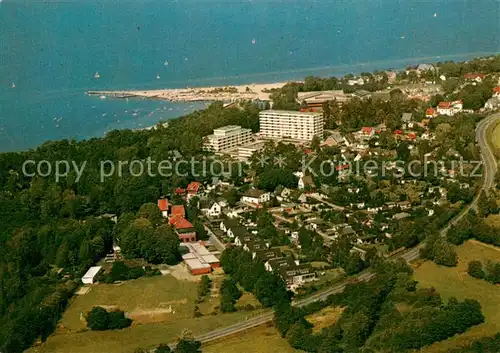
{"x":97,"y":319}
{"x":187,"y":344}
{"x":482,"y":205}
{"x":299,"y":334}
{"x":284,"y":317}
{"x":316,"y":143}
{"x":475,"y":269}
{"x":151,"y":212}
{"x":229,"y":295}
{"x":117,"y":320}
{"x":163,"y":348}
{"x":354,"y":264}
{"x":271,"y":290}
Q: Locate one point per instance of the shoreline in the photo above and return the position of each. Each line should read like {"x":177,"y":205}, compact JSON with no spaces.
{"x":231,"y":93}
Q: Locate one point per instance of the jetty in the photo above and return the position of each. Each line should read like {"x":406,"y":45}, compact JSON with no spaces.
{"x":199,"y":94}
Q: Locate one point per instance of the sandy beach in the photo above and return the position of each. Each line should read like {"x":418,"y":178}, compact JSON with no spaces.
{"x":197,"y":94}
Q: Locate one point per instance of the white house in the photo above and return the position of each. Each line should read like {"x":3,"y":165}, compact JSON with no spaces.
{"x":213,"y":209}
{"x":255,"y":196}
{"x":450,"y":108}
{"x":89,"y":277}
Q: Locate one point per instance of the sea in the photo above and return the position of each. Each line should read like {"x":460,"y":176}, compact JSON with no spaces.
{"x":50,"y":51}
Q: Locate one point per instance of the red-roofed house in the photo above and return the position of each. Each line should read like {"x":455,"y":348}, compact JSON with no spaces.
{"x":367,"y":131}
{"x":193,"y":188}
{"x":398,"y":132}
{"x":412,"y":136}
{"x":496,"y":91}
{"x":184,"y":229}
{"x":163,"y":206}
{"x":177,"y":211}
{"x":430,"y":113}
{"x":180,"y":191}
{"x":477,"y":77}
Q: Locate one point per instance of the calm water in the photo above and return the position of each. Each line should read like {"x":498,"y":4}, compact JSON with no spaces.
{"x":50,"y":50}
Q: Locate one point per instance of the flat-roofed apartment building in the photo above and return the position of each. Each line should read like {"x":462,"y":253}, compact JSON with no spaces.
{"x":290,"y":124}
{"x":227,"y":137}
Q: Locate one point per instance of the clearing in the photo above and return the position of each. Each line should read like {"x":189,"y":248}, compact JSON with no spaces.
{"x":454,"y":281}
{"x":325,"y":317}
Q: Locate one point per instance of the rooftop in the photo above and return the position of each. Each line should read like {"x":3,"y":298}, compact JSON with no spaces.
{"x":290,"y":112}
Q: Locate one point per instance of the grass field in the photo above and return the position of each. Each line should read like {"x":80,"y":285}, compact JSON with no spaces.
{"x":456,"y":282}
{"x":160,"y":306}
{"x":495,"y":137}
{"x":145,"y":300}
{"x":263,"y":339}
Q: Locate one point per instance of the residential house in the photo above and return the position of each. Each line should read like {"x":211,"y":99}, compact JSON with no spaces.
{"x":335,"y":139}
{"x":492,"y":103}
{"x":407,"y":120}
{"x":163,"y":206}
{"x":242,"y":237}
{"x":265,"y":255}
{"x":211,"y":208}
{"x":367,"y":131}
{"x":228,"y":224}
{"x":254,"y":245}
{"x":474,"y":77}
{"x":450,"y":108}
{"x":305,"y":181}
{"x":404,"y":205}
{"x":193,"y":189}
{"x":255,"y":196}
{"x":430,"y":113}
{"x":275,"y":264}
{"x":496,"y":91}
{"x":400,"y":216}
{"x":296,"y":275}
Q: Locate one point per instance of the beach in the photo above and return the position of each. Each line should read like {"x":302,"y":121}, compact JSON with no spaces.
{"x":199,"y":94}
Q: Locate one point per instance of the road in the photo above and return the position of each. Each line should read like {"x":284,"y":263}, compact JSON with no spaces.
{"x":489,"y":171}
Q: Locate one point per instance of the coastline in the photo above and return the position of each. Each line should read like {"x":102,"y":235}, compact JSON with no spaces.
{"x":199,"y":94}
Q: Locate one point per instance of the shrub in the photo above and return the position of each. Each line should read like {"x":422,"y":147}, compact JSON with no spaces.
{"x":98,"y":319}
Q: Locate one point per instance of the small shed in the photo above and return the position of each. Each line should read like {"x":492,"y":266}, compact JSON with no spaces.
{"x":89,"y":277}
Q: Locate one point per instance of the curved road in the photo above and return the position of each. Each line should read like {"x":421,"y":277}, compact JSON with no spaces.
{"x":489,"y":172}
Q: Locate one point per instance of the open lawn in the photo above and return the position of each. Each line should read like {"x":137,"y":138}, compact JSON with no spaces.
{"x":456,"y":282}
{"x":160,"y":306}
{"x":263,"y":339}
{"x":129,"y":339}
{"x":145,"y":300}
{"x":495,"y":137}
{"x":325,"y":317}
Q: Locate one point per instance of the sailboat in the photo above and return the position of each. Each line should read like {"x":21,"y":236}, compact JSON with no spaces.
{"x":165,"y":63}
{"x":435,"y":14}
{"x":157,"y":76}
{"x":97,"y":75}
{"x":254,"y":41}
{"x":13,"y":85}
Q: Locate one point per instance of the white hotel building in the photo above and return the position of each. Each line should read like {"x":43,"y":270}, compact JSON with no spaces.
{"x":290,"y":124}
{"x":227,"y":137}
